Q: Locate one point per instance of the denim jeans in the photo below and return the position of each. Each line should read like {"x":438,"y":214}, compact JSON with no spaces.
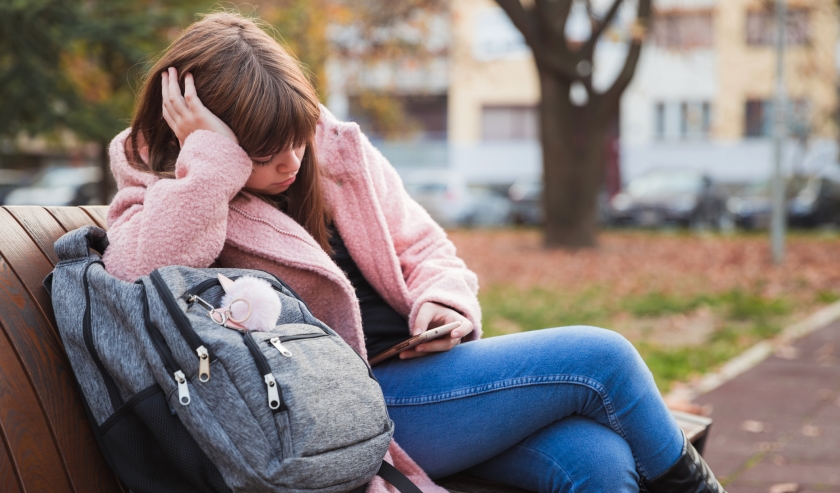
{"x":570,"y":409}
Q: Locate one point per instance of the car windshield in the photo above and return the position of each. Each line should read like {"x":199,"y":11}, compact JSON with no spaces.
{"x":67,"y":177}
{"x":665,"y":183}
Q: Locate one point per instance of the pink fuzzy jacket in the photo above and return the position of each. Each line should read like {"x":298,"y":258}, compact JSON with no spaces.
{"x":202,"y":217}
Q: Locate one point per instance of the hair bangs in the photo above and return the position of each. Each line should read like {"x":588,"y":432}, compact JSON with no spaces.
{"x":275,"y":118}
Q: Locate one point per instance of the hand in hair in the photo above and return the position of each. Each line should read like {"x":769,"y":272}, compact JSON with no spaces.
{"x":185,"y":113}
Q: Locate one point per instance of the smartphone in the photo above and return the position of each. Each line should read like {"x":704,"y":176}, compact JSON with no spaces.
{"x":414,"y":342}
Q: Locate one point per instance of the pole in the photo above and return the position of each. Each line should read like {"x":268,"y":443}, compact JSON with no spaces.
{"x":779,"y":210}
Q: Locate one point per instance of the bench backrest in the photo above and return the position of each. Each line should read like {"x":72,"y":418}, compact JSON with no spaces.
{"x":46,"y":443}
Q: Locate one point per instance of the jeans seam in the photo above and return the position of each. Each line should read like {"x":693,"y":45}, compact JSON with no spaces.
{"x":514,"y":383}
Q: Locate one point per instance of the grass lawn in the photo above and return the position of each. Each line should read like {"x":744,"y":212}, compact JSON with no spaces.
{"x":687,"y":302}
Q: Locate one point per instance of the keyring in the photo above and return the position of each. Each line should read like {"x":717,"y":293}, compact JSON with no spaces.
{"x":223,"y":315}
{"x":230,"y":311}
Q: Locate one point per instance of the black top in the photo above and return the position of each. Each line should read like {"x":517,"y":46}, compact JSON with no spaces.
{"x":382,"y":325}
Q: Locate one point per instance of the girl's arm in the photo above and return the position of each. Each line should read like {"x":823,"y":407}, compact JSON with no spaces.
{"x":154,"y":222}
{"x":431,"y":268}
{"x":157,"y":222}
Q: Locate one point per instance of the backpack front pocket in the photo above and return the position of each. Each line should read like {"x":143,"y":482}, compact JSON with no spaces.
{"x":341,"y":412}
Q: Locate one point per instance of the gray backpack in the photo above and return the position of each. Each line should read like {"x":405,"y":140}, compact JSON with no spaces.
{"x":181,"y":404}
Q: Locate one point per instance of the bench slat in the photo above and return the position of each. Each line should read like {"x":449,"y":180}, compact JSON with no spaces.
{"x":99,"y":213}
{"x":70,"y":217}
{"x":29,"y":441}
{"x":28,"y":262}
{"x":41,"y":226}
{"x":8,"y":475}
{"x":30,"y":333}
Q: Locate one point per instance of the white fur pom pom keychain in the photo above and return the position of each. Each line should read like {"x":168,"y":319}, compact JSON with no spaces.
{"x":251,"y":303}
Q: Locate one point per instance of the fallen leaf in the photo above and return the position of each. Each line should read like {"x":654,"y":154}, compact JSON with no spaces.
{"x":787,"y":352}
{"x":780,"y":460}
{"x":811,"y":431}
{"x":784,"y":488}
{"x":752,"y":426}
{"x":686,"y":406}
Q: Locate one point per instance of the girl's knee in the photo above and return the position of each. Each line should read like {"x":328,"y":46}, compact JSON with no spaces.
{"x":603,"y":345}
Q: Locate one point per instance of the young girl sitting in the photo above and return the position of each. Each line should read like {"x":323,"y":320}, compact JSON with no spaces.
{"x":231,"y":161}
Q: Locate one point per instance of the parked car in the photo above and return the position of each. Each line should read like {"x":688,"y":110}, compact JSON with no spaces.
{"x":11,"y":179}
{"x":526,"y":200}
{"x":661,"y":197}
{"x":58,"y":186}
{"x":818,"y":202}
{"x":750,"y":208}
{"x":451,"y":202}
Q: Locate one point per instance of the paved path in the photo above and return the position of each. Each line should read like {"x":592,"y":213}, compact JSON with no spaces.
{"x":777,"y":427}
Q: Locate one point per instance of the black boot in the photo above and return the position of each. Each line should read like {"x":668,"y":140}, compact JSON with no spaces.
{"x":689,"y":474}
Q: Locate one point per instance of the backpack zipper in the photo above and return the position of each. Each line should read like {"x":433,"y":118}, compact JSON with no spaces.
{"x":87,"y":334}
{"x":275,"y":396}
{"x":165,"y":354}
{"x":277,"y":342}
{"x":205,"y":356}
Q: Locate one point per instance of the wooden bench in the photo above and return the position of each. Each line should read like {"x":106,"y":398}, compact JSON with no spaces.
{"x":46,"y":443}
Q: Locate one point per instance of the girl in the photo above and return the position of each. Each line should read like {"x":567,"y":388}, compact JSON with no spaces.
{"x":231,"y":161}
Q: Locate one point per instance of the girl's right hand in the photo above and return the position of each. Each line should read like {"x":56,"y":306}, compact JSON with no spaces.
{"x":185,"y":113}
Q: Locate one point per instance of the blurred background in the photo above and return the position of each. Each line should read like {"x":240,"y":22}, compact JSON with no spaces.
{"x":619,"y":172}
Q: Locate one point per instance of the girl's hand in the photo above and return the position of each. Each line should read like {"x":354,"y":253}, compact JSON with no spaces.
{"x":432,"y":315}
{"x":186,"y":114}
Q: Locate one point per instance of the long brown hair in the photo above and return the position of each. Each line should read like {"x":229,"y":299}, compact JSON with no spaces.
{"x":248,"y":80}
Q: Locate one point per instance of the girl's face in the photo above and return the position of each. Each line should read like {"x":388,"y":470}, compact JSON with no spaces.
{"x":275,"y":174}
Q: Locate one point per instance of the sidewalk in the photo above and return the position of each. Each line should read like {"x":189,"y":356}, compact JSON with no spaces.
{"x":777,"y":426}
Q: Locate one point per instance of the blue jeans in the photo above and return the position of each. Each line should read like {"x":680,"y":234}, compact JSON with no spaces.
{"x":570,"y":409}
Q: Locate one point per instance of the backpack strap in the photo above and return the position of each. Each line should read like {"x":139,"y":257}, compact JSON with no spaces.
{"x":76,"y":244}
{"x":396,"y":478}
{"x":392,"y":475}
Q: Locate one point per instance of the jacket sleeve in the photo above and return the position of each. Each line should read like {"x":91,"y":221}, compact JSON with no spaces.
{"x":430,"y":266}
{"x":182,"y":221}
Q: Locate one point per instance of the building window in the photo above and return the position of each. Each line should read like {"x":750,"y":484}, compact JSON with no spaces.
{"x":761,"y":28}
{"x":683,"y":30}
{"x":687,"y":120}
{"x":760,"y":117}
{"x":509,"y":123}
{"x":400,"y":117}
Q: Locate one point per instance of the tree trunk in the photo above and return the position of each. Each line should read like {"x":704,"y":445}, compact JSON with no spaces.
{"x":106,"y":184}
{"x":573,"y":144}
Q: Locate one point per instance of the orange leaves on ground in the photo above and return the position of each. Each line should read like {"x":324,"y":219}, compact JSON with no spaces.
{"x":637,"y":262}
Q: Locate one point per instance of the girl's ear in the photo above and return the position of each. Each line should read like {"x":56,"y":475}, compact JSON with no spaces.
{"x":226,"y":283}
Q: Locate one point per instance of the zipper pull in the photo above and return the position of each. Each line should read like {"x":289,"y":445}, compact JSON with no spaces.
{"x":195,"y":299}
{"x":203,"y":364}
{"x":275,"y":341}
{"x":183,"y":390}
{"x":273,"y":394}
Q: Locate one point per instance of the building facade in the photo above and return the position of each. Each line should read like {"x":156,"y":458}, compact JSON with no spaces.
{"x":702,"y":95}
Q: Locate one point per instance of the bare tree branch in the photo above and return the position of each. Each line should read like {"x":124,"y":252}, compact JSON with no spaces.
{"x":624,"y":78}
{"x":589,"y":47}
{"x":521,"y":19}
{"x":546,"y":54}
{"x":554,"y":15}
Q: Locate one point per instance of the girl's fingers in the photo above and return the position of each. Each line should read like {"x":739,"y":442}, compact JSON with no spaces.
{"x":177,"y":105}
{"x":164,"y":88}
{"x":190,"y":96}
{"x":437,"y":345}
{"x":168,"y":118}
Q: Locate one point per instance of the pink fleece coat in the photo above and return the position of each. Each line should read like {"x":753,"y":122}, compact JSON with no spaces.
{"x":203,"y":216}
